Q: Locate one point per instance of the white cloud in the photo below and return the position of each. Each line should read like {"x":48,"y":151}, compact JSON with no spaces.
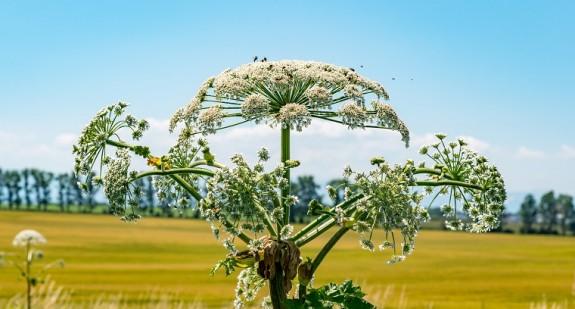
{"x":527,"y":153}
{"x":476,"y":144}
{"x":158,"y":124}
{"x":7,"y":139}
{"x":30,"y":150}
{"x":65,"y":139}
{"x":245,"y":133}
{"x":425,"y":139}
{"x":567,"y":152}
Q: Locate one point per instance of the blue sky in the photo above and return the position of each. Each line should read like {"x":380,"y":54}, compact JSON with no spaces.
{"x":498,"y":72}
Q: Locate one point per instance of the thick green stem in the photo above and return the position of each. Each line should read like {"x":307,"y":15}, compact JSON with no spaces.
{"x":323,"y":218}
{"x":327,"y":247}
{"x":118,"y":144}
{"x":325,"y":226}
{"x":434,"y":183}
{"x":175,"y":171}
{"x":245,"y":238}
{"x":318,"y":231}
{"x":285,"y":156}
{"x":182,"y":182}
{"x":276,"y":285}
{"x":132,"y":147}
{"x":426,"y":170}
{"x":204,"y":162}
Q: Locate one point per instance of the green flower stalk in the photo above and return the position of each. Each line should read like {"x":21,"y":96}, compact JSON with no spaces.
{"x":248,"y":208}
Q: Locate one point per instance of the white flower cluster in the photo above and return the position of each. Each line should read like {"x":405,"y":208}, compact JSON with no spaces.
{"x":105,"y":125}
{"x":117,"y":181}
{"x":28,"y":238}
{"x":318,"y":95}
{"x":287,"y":94}
{"x":293,"y":116}
{"x":211,"y":119}
{"x":353,"y":114}
{"x":353,"y":92}
{"x":481,"y":204}
{"x":248,"y":197}
{"x":390,"y":204}
{"x":102,"y":131}
{"x":190,"y":112}
{"x":248,"y":286}
{"x":386,"y":116}
{"x":255,"y":106}
{"x":275,"y":75}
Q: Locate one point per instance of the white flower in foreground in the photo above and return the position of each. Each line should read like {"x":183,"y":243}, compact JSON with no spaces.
{"x":28,"y":237}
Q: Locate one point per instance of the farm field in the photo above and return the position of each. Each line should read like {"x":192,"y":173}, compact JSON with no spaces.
{"x":104,"y":257}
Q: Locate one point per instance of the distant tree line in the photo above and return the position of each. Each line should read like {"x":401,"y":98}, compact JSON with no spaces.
{"x":35,"y":189}
{"x":550,"y":215}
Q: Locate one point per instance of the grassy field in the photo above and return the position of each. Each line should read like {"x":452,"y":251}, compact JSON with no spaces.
{"x":106,"y":257}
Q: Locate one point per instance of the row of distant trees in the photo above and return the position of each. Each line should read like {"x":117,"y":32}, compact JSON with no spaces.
{"x":552,"y":214}
{"x":35,"y":189}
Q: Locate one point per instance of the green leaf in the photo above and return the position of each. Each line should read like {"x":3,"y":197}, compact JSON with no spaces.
{"x":345,"y":295}
{"x":228,"y":264}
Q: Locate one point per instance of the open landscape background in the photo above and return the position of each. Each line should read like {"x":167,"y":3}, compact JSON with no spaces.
{"x":105,"y":258}
{"x":497,"y":73}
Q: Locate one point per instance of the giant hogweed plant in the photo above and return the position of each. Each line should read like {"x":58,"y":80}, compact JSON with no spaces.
{"x":248,"y":208}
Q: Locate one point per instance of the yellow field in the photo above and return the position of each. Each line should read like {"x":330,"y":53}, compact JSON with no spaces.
{"x":448,"y":270}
